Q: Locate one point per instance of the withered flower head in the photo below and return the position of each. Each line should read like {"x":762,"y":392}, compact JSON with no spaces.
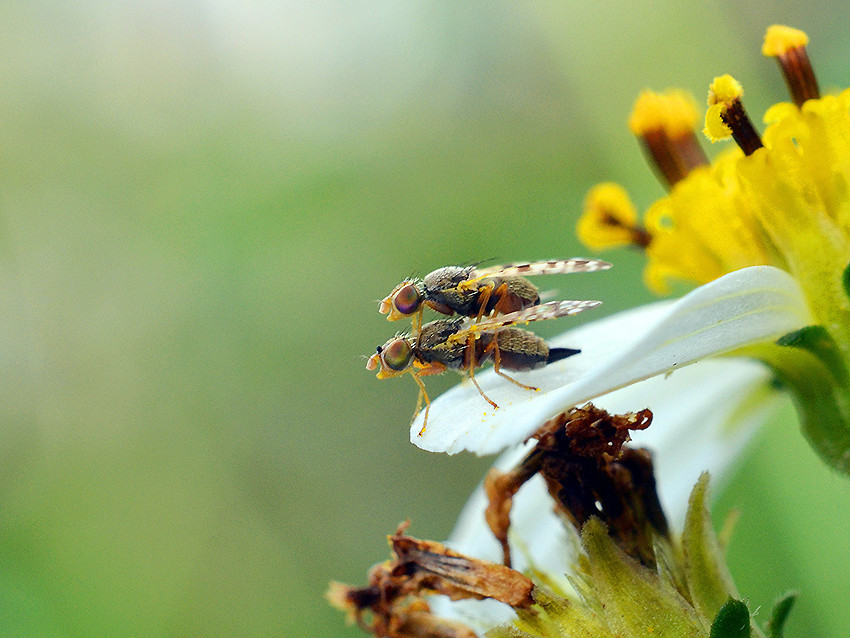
{"x":630,"y":577}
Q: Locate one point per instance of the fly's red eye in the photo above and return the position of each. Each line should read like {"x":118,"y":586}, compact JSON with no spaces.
{"x":407,"y":299}
{"x":396,"y":354}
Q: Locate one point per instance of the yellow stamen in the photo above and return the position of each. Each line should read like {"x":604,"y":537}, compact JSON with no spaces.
{"x":788,"y":46}
{"x":722,"y":92}
{"x":726,"y":115}
{"x":666,"y":123}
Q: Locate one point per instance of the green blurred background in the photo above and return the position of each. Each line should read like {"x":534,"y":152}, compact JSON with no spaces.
{"x":201,"y":203}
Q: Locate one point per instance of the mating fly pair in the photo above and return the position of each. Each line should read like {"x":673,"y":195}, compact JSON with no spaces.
{"x":490,"y":302}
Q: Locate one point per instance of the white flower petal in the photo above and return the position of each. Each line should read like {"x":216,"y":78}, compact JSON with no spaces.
{"x":702,"y":417}
{"x":744,"y":307}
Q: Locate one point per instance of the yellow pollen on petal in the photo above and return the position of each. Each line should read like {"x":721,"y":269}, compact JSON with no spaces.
{"x":780,"y":39}
{"x":702,"y":229}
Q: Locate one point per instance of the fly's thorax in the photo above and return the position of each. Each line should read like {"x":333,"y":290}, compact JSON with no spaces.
{"x":434,"y":343}
{"x":442,"y":291}
{"x":447,"y":277}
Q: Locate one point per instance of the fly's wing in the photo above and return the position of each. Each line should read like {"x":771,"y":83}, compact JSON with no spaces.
{"x":550,"y":310}
{"x":551,"y":267}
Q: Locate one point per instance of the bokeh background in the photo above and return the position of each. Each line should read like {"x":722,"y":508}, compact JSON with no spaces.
{"x":200,"y":203}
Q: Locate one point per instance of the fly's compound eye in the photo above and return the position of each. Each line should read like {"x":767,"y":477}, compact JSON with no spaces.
{"x":407,"y":299}
{"x":396,"y":354}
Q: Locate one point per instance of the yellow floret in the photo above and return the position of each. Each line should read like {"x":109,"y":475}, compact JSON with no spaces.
{"x":608,"y":219}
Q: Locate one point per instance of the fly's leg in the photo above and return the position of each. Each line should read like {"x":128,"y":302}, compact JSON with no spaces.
{"x":471,"y":370}
{"x":501,"y":307}
{"x":501,"y":295}
{"x":423,"y":394}
{"x":497,"y":360}
{"x":417,"y":321}
{"x":486,"y":291}
{"x":431,"y":368}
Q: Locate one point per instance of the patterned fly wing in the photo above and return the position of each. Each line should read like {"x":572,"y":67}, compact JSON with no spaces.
{"x":551,"y":267}
{"x":542,"y":312}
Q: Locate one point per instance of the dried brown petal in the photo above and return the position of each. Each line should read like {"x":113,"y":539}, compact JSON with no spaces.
{"x":436,"y":568}
{"x":500,"y":488}
{"x":394,"y":605}
{"x":418,"y":624}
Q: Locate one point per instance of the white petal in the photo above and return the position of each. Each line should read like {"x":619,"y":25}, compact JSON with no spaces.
{"x":744,"y":307}
{"x":702,"y":417}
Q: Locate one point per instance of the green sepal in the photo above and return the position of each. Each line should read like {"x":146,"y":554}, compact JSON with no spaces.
{"x":556,"y":617}
{"x":821,"y":399}
{"x":636,"y":602}
{"x":779,"y":614}
{"x":845,"y":279}
{"x":507,"y":632}
{"x":708,"y":578}
{"x":816,"y":340}
{"x":732,"y":621}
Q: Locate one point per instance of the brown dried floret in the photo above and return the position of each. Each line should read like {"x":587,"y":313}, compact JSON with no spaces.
{"x":433,"y":567}
{"x":581,"y":455}
{"x":393,"y":604}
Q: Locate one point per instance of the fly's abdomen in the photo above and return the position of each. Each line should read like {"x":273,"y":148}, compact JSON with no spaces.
{"x":512,"y":294}
{"x":520,"y":349}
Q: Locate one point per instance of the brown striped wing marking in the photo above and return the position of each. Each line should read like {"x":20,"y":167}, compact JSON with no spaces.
{"x":551,"y":267}
{"x":542,"y":312}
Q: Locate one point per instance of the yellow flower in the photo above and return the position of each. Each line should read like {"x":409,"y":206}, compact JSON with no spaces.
{"x":782,"y":198}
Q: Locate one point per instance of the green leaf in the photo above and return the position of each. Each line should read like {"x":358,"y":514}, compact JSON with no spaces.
{"x":779,"y":614}
{"x":732,"y":621}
